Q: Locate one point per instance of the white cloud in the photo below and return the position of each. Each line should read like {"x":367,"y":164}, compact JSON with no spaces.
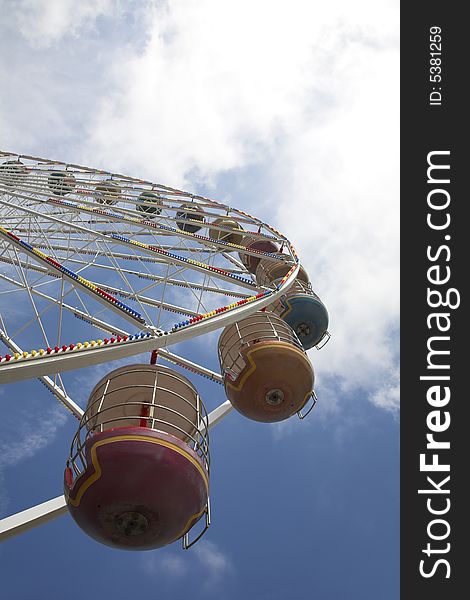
{"x":388,"y":396}
{"x":29,"y":436}
{"x":217,"y":82}
{"x":171,"y":565}
{"x":213,"y":561}
{"x":44,"y":22}
{"x":205,"y":557}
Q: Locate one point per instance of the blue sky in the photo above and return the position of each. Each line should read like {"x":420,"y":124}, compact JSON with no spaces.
{"x":290,"y":114}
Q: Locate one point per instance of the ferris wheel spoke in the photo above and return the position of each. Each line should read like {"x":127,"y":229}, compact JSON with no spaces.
{"x":30,"y":269}
{"x":167,"y":280}
{"x":180,"y":271}
{"x":45,"y":237}
{"x":145,"y":300}
{"x":234,"y":261}
{"x":142,"y":301}
{"x":131,"y":293}
{"x":191,"y":366}
{"x":196,"y":266}
{"x":61,"y":306}
{"x":205,"y":282}
{"x":33,"y":304}
{"x":58,"y":391}
{"x":38,"y":315}
{"x":123,"y":256}
{"x":83,"y":315}
{"x":143,"y":260}
{"x":86,"y":315}
{"x":76,"y":280}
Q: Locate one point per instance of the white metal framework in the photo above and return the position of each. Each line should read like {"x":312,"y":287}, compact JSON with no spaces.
{"x":131,"y":265}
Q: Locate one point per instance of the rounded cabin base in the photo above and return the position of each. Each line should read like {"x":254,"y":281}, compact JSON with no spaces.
{"x":307,"y":316}
{"x":275,"y":383}
{"x":142,"y":489}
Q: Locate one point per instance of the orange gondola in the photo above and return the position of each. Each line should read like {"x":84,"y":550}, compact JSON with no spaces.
{"x":267,"y":375}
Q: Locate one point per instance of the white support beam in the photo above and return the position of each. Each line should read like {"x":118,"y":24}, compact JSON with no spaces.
{"x":62,"y":397}
{"x":42,"y":513}
{"x":32,"y":517}
{"x":184,"y":362}
{"x":219,"y":413}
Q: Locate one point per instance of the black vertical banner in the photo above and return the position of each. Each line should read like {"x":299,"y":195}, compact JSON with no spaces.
{"x":435,"y":260}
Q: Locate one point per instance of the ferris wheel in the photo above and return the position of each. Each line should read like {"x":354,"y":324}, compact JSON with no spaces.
{"x":97,"y":267}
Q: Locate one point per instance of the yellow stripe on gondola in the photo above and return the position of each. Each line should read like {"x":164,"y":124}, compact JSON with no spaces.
{"x":252,"y":368}
{"x":132,"y":438}
{"x":188,"y":525}
{"x":289,"y":309}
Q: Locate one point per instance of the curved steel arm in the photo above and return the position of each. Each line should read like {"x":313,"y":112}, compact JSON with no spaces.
{"x":186,"y":543}
{"x":314,"y":399}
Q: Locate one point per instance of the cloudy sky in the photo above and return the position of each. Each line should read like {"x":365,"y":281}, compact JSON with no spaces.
{"x":290,"y":112}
